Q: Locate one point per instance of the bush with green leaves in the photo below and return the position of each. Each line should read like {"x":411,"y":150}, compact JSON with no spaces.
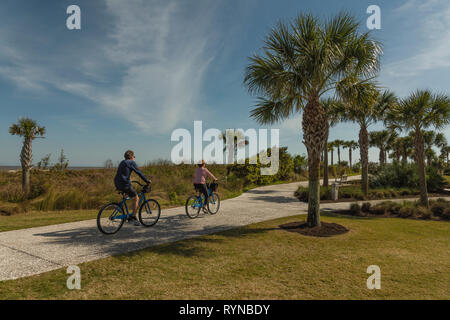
{"x":355,"y":209}
{"x":435,"y":182}
{"x":395,"y":175}
{"x":400,"y":175}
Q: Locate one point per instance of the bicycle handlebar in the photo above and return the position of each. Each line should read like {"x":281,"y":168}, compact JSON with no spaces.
{"x":137,"y":182}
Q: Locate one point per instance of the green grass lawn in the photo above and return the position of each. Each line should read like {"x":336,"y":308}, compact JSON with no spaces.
{"x":261,"y":261}
{"x":41,"y":218}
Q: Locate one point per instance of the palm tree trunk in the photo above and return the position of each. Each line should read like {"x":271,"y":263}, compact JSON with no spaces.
{"x":420,"y":158}
{"x":382,"y":156}
{"x":325,"y":168}
{"x":25,"y":161}
{"x":315,"y":128}
{"x":339,"y":156}
{"x":325,"y":162}
{"x":364,"y":154}
{"x":332,"y":158}
{"x":350,"y":157}
{"x":404,"y":157}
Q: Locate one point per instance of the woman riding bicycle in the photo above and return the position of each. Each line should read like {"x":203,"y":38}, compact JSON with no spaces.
{"x":199,"y":180}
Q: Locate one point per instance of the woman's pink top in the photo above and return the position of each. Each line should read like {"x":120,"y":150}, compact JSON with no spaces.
{"x":200,"y":174}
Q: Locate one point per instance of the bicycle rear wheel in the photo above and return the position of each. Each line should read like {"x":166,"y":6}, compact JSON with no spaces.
{"x":192,"y":207}
{"x":213,"y":203}
{"x":110,"y":218}
{"x":149,"y":213}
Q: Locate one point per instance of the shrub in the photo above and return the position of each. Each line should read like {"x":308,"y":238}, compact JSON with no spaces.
{"x":395,"y":208}
{"x":406,"y":212}
{"x":366,"y":207}
{"x":173,"y":197}
{"x":378,"y":209}
{"x":373,"y":168}
{"x":355,"y":209}
{"x":423,"y":213}
{"x":446,"y":214}
{"x":396,"y":175}
{"x":438,"y":208}
{"x":435,"y":182}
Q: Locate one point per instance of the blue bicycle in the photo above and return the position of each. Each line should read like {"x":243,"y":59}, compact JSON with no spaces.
{"x":195,"y":202}
{"x":112,"y":215}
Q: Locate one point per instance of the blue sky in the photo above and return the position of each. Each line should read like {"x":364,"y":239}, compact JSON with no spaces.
{"x":139,"y":69}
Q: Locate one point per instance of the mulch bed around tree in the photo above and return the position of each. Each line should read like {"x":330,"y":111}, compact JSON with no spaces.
{"x":325,"y":230}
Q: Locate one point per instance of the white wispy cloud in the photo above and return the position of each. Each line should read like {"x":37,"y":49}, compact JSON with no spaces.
{"x":431,"y":29}
{"x":159,"y":58}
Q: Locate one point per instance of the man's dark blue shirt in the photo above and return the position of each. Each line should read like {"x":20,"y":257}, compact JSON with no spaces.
{"x":122,"y":178}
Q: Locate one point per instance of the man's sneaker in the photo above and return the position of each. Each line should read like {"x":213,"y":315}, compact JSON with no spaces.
{"x":205,"y":210}
{"x":133,"y":220}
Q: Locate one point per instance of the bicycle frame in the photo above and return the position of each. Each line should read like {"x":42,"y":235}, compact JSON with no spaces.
{"x":201,"y":199}
{"x":123,"y":204}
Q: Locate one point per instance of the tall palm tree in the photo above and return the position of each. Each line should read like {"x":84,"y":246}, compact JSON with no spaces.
{"x":350,"y":145}
{"x":405,"y":145}
{"x":440,"y":141}
{"x":365,"y":105}
{"x":330,"y":147}
{"x":338,"y":143}
{"x":300,"y":63}
{"x":380,"y":139}
{"x":429,"y":137}
{"x":239,"y":142}
{"x":29,"y":130}
{"x":421,"y":110}
{"x":445,"y":151}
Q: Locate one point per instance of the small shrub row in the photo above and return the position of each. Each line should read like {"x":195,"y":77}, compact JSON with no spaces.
{"x":438,"y":209}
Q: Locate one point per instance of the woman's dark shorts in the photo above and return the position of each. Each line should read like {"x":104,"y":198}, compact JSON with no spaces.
{"x":202,"y":188}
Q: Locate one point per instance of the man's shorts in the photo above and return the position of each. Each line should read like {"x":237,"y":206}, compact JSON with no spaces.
{"x":129,"y":191}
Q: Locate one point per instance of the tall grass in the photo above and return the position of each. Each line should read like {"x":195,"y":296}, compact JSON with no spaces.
{"x":90,"y":188}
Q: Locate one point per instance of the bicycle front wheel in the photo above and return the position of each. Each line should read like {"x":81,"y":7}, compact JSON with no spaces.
{"x":149,"y":213}
{"x":213,"y":203}
{"x":193,"y":206}
{"x":110,"y":218}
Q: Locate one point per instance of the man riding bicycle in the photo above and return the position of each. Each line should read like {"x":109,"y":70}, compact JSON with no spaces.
{"x":123,"y":183}
{"x":200,"y":182}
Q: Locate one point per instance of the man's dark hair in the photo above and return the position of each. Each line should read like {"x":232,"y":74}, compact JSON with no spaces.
{"x":128,"y":154}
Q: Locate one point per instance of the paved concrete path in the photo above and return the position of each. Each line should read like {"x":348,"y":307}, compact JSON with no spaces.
{"x":32,"y":251}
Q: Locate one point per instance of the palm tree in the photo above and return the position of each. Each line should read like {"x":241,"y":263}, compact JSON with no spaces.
{"x":239,"y":142}
{"x":300,"y":63}
{"x":338,"y":143}
{"x":405,"y":146}
{"x":440,"y":141}
{"x":351,"y":145}
{"x":330,"y":147}
{"x":365,"y":105}
{"x":380,"y":139}
{"x":445,"y":151}
{"x":421,"y":110}
{"x":29,"y":130}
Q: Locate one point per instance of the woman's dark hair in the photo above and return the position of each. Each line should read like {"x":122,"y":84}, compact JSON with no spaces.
{"x":128,"y":154}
